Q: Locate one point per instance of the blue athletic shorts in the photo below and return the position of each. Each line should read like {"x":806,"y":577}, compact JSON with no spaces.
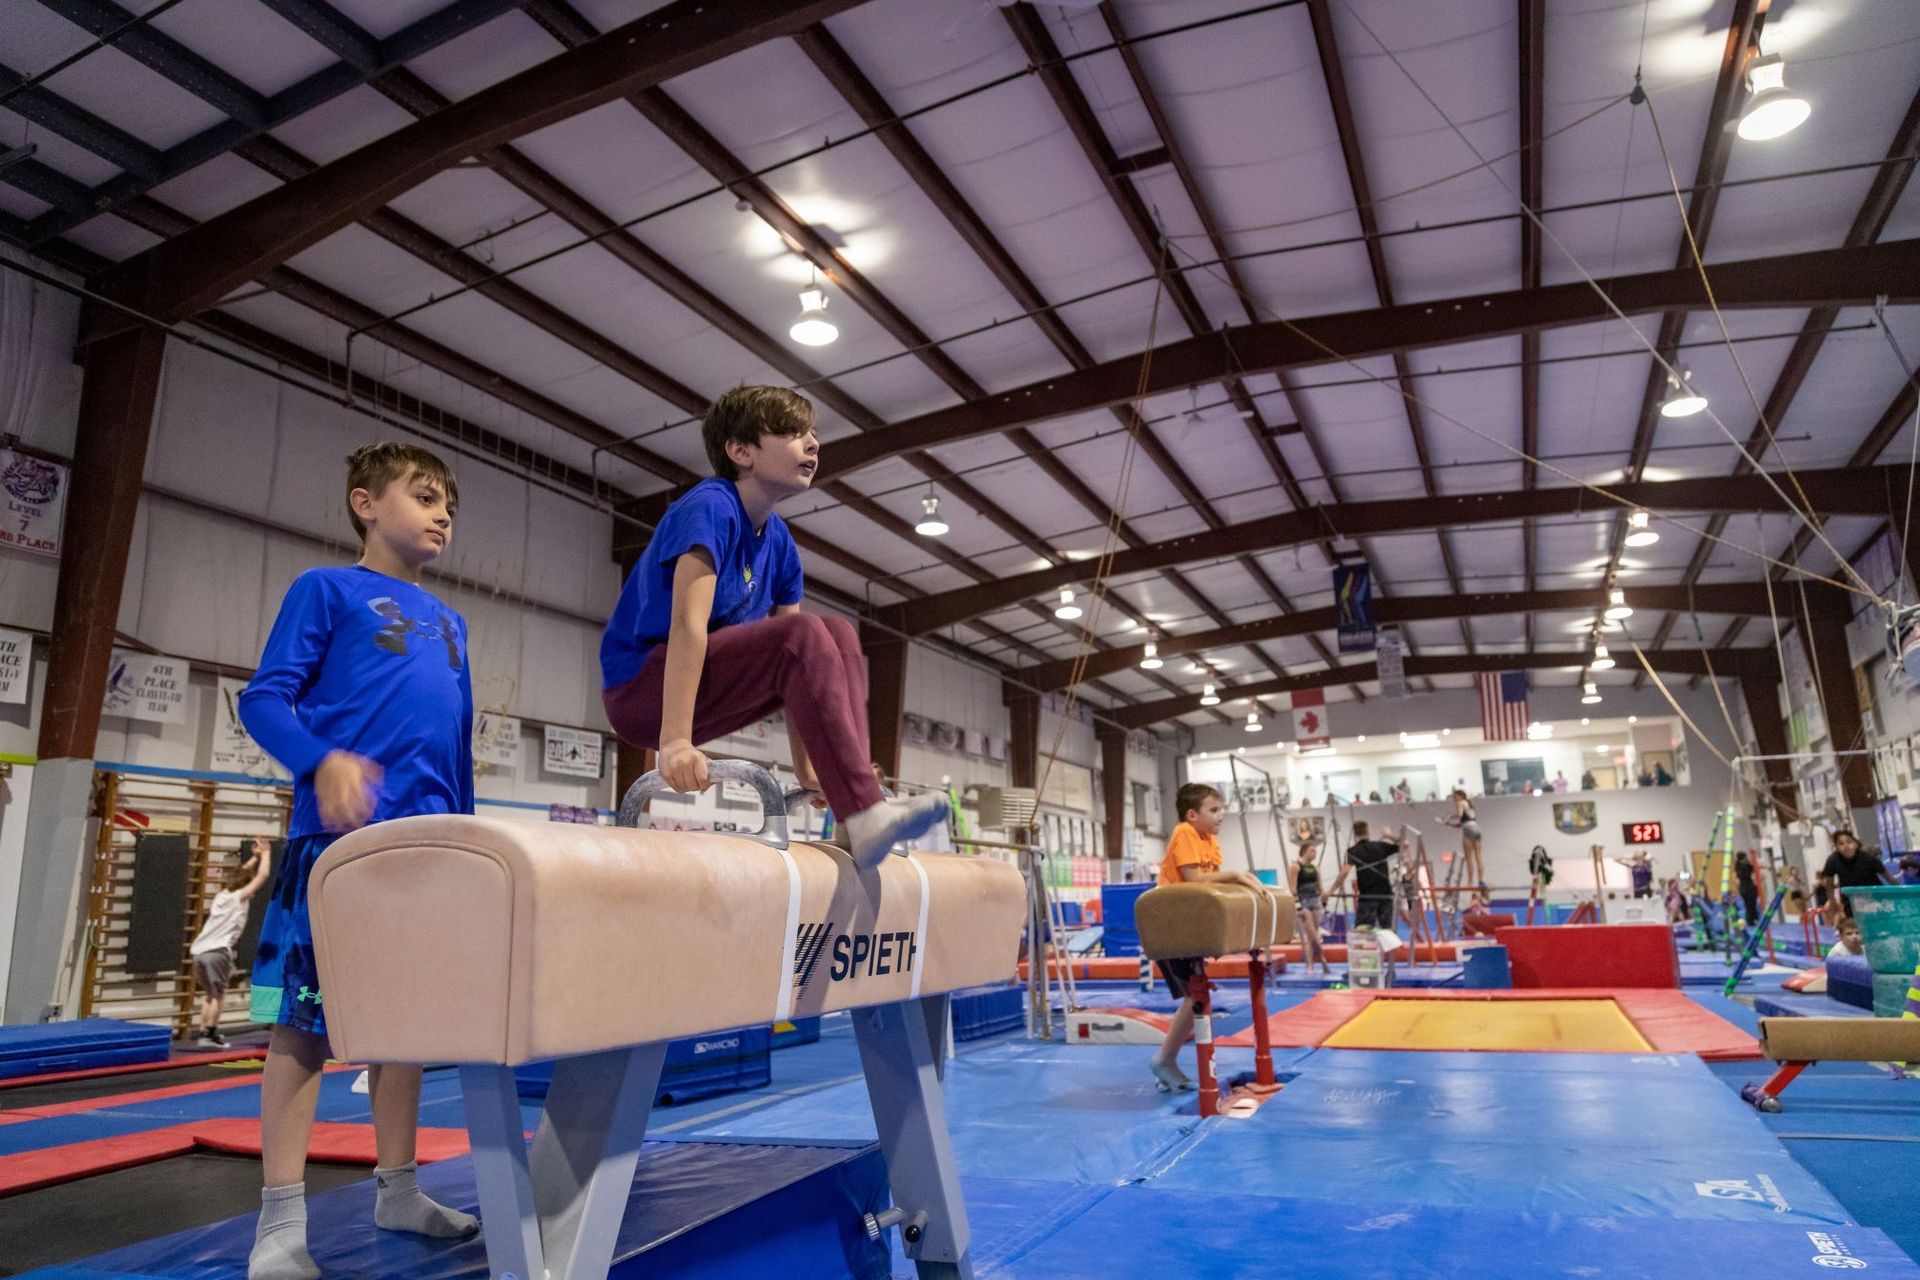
{"x":286,"y":985}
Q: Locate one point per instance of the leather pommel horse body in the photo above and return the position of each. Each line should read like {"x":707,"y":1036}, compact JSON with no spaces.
{"x":1200,"y":922}
{"x":491,"y":943}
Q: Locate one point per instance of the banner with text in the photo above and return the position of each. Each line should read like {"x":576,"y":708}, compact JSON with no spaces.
{"x":1390,"y":657}
{"x":234,"y":750}
{"x":146,"y":686}
{"x":573,"y":751}
{"x":1353,"y":606}
{"x":16,"y":664}
{"x":36,"y":502}
{"x":496,"y":739}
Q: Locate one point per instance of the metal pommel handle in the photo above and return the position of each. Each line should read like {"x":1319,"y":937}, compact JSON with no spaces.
{"x":773,"y":801}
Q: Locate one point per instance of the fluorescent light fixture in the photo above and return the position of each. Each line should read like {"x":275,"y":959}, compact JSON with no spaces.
{"x":1602,"y":660}
{"x":1773,"y":110}
{"x":1682,"y":400}
{"x":931,"y":525}
{"x":1068,"y":610}
{"x":813,"y":329}
{"x":1618,"y":609}
{"x":1253,"y":722}
{"x":1640,"y":530}
{"x":1150,"y":660}
{"x":1589,"y":693}
{"x":1419,"y":741}
{"x":1538,"y":732}
{"x":1209,"y":698}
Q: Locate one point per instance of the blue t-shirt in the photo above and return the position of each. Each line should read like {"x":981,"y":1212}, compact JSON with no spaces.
{"x":361,"y":662}
{"x":754,"y":571}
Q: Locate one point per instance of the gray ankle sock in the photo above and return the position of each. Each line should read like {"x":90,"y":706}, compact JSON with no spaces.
{"x":400,"y":1205}
{"x":280,"y":1243}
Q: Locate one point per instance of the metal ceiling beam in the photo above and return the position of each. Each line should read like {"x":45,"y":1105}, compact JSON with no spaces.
{"x":1889,"y":183}
{"x":1533,"y":164}
{"x":1320,"y":15}
{"x":1840,"y":277}
{"x":1732,"y":663}
{"x":1749,"y":598}
{"x":192,"y":272}
{"x":1847,"y":491}
{"x":79,"y":126}
{"x":321,"y":87}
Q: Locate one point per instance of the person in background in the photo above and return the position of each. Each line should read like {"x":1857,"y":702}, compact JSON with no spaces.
{"x":1849,"y":867}
{"x":1640,"y":867}
{"x":1559,"y":781}
{"x":1468,"y":820}
{"x":1587,"y":783}
{"x":1307,"y":904}
{"x":1661,"y":778}
{"x":1677,"y":909}
{"x":1850,"y":942}
{"x":1371,"y":861}
{"x":1796,"y":891}
{"x":212,"y":947}
{"x":1539,"y":871}
{"x":1373,"y":797}
{"x":1909,"y":868}
{"x":1645,"y":779}
{"x":1749,"y":881}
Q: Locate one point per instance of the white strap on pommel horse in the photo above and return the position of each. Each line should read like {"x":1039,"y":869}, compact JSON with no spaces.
{"x":491,"y":943}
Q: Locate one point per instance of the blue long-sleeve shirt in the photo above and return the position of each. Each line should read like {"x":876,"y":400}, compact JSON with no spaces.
{"x":361,"y":662}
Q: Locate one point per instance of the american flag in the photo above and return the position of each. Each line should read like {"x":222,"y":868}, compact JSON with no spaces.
{"x":1503,"y":705}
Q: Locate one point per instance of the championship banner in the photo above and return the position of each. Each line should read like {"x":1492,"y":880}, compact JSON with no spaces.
{"x":496,"y":739}
{"x":36,"y":502}
{"x":16,"y":662}
{"x":1310,"y":729}
{"x":1353,"y":605}
{"x":145,"y":686}
{"x":1390,"y":660}
{"x":573,"y":751}
{"x":234,"y":750}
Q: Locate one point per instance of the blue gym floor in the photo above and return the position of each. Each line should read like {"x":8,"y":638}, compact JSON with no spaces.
{"x":1367,"y":1164}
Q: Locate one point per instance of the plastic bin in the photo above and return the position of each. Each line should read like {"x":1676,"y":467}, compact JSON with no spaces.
{"x":1889,"y":919}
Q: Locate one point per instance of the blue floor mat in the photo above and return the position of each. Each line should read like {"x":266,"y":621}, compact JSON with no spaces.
{"x":1146,"y":1233}
{"x":1642,"y":1136}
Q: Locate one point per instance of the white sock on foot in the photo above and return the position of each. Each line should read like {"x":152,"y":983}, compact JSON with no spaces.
{"x":280,"y":1241}
{"x":400,"y":1205}
{"x":875,"y":830}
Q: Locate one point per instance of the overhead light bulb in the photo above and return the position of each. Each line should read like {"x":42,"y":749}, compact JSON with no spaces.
{"x":1640,"y":530}
{"x":1589,"y":693}
{"x":1584,"y":721}
{"x":813,"y":329}
{"x":1208,"y":698}
{"x":1602,"y":660}
{"x":1150,"y":660}
{"x":1361,"y":738}
{"x":931,"y":525}
{"x":1068,"y":610}
{"x":1617,"y":607}
{"x":1633,"y":719}
{"x":1446,"y":733}
{"x":1773,"y":109}
{"x":1253,"y":722}
{"x":1682,"y":400}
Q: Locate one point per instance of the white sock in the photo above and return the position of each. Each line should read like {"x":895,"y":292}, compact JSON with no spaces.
{"x":400,"y":1205}
{"x":280,"y":1241}
{"x":876,"y":829}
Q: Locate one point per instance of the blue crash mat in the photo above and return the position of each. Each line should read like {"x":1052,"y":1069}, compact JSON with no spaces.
{"x":1646,"y":1135}
{"x":45,"y":1047}
{"x":697,"y":1211}
{"x":1051,"y":1112}
{"x":1143,"y":1233}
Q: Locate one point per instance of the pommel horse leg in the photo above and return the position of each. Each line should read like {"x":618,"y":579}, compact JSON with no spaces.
{"x":900,"y":1049}
{"x":555,"y":1214}
{"x":1766,"y":1097}
{"x":1262,"y":1037}
{"x":1201,"y":994}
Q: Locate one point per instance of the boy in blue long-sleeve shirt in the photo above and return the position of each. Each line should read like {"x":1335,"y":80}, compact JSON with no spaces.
{"x":364,"y":694}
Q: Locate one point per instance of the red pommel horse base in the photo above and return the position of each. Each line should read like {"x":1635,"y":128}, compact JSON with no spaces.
{"x":1203,"y":921}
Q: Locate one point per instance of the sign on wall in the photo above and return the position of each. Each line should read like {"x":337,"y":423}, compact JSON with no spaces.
{"x":496,"y":739}
{"x":234,"y":750}
{"x":1353,"y":605}
{"x":36,"y":502}
{"x":16,"y":663}
{"x":572,"y":751}
{"x":1643,"y":832}
{"x":146,"y":686}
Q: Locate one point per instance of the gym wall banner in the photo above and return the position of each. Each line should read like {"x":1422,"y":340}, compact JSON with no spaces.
{"x":145,"y":686}
{"x":16,"y":660}
{"x":36,"y":498}
{"x":1390,"y":660}
{"x":1353,"y":603}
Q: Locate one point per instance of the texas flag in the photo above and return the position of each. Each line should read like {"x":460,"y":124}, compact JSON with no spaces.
{"x":1310,"y":729}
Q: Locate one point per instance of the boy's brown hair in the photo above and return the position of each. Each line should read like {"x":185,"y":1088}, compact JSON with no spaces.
{"x":238,"y":872}
{"x":1192,"y":796}
{"x":747,"y":413}
{"x":375,"y":466}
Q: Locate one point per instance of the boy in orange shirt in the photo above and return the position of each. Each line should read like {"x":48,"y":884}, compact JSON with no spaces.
{"x":1193,"y":857}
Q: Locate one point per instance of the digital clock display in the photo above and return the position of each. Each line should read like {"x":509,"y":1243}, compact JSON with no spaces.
{"x":1645,"y":833}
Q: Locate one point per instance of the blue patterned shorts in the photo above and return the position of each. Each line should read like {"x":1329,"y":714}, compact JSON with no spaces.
{"x":286,"y":984}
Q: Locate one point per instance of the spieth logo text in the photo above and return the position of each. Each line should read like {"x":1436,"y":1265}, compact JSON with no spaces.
{"x":1834,"y":1255}
{"x":853,"y":955}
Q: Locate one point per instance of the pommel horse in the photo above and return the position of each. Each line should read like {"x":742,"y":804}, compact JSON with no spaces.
{"x":1203,"y":921}
{"x":492,"y":943}
{"x":1798,"y":1043}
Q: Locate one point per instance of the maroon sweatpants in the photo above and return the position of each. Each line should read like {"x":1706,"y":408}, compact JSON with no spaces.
{"x":808,"y":664}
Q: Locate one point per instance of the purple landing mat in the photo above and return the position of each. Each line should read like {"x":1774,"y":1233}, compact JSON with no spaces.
{"x":1598,"y":1135}
{"x":1145,"y":1233}
{"x":698,"y":1211}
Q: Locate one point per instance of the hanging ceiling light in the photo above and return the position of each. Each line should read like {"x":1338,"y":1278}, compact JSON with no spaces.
{"x":1682,"y":400}
{"x":1602,"y":660}
{"x":1150,"y":660}
{"x":813,"y":329}
{"x":1253,"y":722}
{"x":1068,"y":610}
{"x":1773,"y":110}
{"x":1640,"y":530}
{"x":1617,"y":607}
{"x":931,"y":525}
{"x":1208,"y":698}
{"x":1589,"y":693}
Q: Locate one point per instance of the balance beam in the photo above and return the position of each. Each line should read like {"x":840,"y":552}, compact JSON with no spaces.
{"x":1205,"y":921}
{"x":490,"y":943}
{"x":1798,"y":1043}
